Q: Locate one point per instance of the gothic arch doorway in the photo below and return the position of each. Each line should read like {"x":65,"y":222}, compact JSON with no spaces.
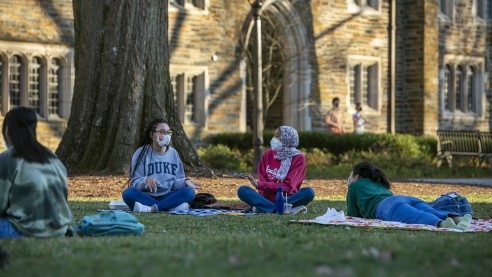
{"x":286,"y":68}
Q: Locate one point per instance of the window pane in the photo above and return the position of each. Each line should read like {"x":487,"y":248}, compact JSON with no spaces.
{"x":15,"y":81}
{"x":174,"y":86}
{"x":364,"y":86}
{"x":459,"y":87}
{"x":372,"y":86}
{"x":54,"y":87}
{"x":190,"y":113}
{"x":34,"y":85}
{"x":489,"y":4}
{"x":355,"y":83}
{"x":442,"y":6}
{"x":479,"y":8}
{"x":352,"y":84}
{"x":373,"y":4}
{"x":447,"y":86}
{"x":471,"y":90}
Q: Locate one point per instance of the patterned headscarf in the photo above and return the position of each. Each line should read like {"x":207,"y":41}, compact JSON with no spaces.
{"x":290,"y":140}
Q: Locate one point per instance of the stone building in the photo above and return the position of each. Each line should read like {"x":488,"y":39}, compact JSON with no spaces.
{"x":415,"y":65}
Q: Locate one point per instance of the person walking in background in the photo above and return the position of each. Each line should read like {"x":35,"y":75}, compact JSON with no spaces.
{"x":157,"y":177}
{"x":369,"y":196}
{"x":334,"y":119}
{"x":282,"y":165}
{"x":33,"y":182}
{"x":359,"y":119}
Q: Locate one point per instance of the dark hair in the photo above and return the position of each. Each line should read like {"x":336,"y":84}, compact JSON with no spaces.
{"x":146,"y":143}
{"x":358,"y":106}
{"x":19,"y":130}
{"x":371,"y":171}
{"x":335,"y":99}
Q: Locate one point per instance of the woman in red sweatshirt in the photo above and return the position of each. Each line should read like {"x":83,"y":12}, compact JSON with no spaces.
{"x":282,"y":165}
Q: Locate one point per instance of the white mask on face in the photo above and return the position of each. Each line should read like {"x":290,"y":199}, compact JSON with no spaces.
{"x":276,"y":144}
{"x":162,"y":140}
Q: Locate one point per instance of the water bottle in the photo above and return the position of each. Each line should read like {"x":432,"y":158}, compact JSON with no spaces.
{"x":279,"y":201}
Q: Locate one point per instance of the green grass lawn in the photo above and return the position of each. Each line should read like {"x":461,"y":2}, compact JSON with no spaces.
{"x":260,"y":245}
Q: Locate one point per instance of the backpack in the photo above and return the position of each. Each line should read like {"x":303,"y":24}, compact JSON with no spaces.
{"x":201,"y":200}
{"x":109,"y":223}
{"x":452,"y":202}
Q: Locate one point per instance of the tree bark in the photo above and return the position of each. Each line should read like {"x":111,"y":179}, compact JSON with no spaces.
{"x":121,"y":83}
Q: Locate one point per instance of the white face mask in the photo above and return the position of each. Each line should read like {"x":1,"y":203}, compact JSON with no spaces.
{"x":276,"y":144}
{"x":162,"y":140}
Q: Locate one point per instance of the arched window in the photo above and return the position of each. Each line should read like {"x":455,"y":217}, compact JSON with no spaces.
{"x":54,"y":87}
{"x":471,"y":90}
{"x":447,"y":85}
{"x":34,"y":85}
{"x":460,"y":79}
{"x":15,"y":81}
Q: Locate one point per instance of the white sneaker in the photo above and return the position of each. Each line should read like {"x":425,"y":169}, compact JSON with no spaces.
{"x":182,"y":207}
{"x":299,"y":209}
{"x":140,"y":208}
{"x":257,"y":211}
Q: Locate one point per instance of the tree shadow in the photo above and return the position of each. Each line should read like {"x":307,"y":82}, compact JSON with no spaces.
{"x":64,"y":25}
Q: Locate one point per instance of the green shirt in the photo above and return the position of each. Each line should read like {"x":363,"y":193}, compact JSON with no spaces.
{"x":33,"y":196}
{"x":363,"y":196}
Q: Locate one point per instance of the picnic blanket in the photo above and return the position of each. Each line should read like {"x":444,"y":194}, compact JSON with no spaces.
{"x":196,"y":212}
{"x":208,"y":212}
{"x":477,"y":225}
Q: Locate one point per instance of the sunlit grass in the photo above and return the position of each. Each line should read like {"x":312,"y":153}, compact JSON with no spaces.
{"x":260,"y":245}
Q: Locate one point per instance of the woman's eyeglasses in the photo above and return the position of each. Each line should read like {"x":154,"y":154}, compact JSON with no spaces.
{"x":164,"y":132}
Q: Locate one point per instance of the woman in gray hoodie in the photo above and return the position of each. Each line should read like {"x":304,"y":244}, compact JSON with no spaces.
{"x":157,"y":178}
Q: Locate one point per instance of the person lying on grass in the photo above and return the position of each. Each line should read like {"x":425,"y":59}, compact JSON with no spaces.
{"x":369,"y":196}
{"x":157,"y":179}
{"x":33,"y":182}
{"x":282,"y":165}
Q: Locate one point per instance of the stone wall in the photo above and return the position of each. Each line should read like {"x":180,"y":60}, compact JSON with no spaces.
{"x":336,"y":32}
{"x":339,"y":34}
{"x":194,"y":37}
{"x":37,"y":21}
{"x":461,"y":38}
{"x":409,"y":66}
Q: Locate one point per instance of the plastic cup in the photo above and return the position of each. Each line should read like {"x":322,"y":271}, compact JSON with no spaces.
{"x":287,"y":208}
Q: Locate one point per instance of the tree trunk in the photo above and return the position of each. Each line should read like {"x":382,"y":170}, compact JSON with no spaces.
{"x":122,"y":82}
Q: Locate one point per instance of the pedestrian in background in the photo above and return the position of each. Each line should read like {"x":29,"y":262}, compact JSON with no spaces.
{"x":334,"y":119}
{"x":359,"y":119}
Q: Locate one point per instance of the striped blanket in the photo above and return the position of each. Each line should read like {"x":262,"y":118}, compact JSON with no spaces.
{"x":477,"y":225}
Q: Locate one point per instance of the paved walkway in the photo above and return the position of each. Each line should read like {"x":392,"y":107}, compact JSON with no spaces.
{"x":462,"y":181}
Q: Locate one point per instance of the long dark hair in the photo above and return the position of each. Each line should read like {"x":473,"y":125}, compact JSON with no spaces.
{"x":19,"y":130}
{"x":371,"y":171}
{"x":146,"y":143}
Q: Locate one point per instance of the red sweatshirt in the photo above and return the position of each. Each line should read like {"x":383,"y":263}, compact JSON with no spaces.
{"x":267,"y":183}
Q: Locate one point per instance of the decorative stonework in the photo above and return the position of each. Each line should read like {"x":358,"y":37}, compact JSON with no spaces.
{"x":322,"y":36}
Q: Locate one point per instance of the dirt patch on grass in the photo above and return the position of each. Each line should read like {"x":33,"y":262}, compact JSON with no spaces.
{"x":112,"y":186}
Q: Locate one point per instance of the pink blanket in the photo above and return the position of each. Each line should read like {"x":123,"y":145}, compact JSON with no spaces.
{"x":480,"y":225}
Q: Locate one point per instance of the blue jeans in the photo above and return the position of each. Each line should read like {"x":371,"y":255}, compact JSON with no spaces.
{"x":7,"y":230}
{"x":254,"y":199}
{"x":163,"y":203}
{"x":410,"y":210}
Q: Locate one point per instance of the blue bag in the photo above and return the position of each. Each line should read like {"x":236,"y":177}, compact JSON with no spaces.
{"x":109,"y":223}
{"x":452,"y":202}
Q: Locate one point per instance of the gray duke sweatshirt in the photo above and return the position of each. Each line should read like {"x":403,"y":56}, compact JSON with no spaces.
{"x":166,"y":168}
